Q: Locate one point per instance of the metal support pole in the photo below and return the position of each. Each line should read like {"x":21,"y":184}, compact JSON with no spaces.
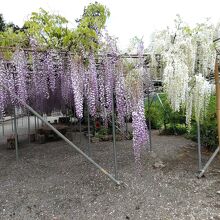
{"x":164,"y":110}
{"x":16,"y":135}
{"x":89,"y":134}
{"x":161,"y":103}
{"x":29,"y":139}
{"x":17,"y":119}
{"x":114,"y":138}
{"x":22,"y":120}
{"x":12,"y":124}
{"x":199,"y":147}
{"x":3,"y":127}
{"x":38,"y":123}
{"x":126,"y":125}
{"x":64,"y":138}
{"x":149,"y":122}
{"x":35,"y":124}
{"x":80,"y":131}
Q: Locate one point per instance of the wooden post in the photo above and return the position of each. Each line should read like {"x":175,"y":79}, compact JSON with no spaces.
{"x":217,"y":85}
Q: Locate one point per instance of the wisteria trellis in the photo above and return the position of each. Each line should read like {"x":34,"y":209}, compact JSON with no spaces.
{"x":53,"y":80}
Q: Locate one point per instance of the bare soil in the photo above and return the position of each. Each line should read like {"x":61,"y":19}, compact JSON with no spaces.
{"x":52,"y":181}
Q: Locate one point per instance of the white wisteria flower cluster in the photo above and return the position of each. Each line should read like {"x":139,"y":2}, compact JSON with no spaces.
{"x":198,"y":99}
{"x":188,"y":56}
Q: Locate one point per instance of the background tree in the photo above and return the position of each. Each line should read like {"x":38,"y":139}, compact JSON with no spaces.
{"x":49,"y":30}
{"x":11,"y":35}
{"x":52,"y":31}
{"x":90,"y":26}
{"x":2,"y":23}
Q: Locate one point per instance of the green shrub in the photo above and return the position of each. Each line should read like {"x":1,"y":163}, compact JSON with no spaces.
{"x":170,"y":122}
{"x":208,"y":127}
{"x":162,"y":115}
{"x":178,"y":129}
{"x":156,"y":117}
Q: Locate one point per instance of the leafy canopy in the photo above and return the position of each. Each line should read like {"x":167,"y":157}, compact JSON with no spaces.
{"x":52,"y":31}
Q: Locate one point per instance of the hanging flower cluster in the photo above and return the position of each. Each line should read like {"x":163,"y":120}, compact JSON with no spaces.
{"x":54,"y":80}
{"x":49,"y":62}
{"x":140,"y":135}
{"x":206,"y":53}
{"x":198,"y":98}
{"x":65,"y":77}
{"x":109,"y":68}
{"x":107,"y":75}
{"x":19,"y":60}
{"x":188,"y":56}
{"x":176,"y":71}
{"x":137,"y":80}
{"x":40,"y":78}
{"x":120,"y":94}
{"x":91,"y":85}
{"x":2,"y":91}
{"x":77,"y":78}
{"x":101,"y":88}
{"x":134,"y":87}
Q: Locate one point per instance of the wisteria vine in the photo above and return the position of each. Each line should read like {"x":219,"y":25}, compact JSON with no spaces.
{"x":54,"y":80}
{"x":188,"y":57}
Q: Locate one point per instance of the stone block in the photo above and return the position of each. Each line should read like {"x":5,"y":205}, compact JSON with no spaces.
{"x":41,"y":138}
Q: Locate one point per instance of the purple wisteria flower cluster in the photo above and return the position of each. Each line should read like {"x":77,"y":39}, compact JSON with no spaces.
{"x":2,"y":91}
{"x":55,"y":80}
{"x":77,"y":79}
{"x":91,"y":86}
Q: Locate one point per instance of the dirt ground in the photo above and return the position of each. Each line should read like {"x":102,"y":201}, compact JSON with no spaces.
{"x":52,"y":181}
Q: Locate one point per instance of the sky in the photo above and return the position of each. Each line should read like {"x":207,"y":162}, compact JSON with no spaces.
{"x":128,"y":18}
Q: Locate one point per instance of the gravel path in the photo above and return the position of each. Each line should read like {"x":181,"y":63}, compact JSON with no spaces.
{"x":52,"y":181}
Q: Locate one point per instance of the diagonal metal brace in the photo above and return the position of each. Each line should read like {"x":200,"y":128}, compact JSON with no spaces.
{"x":63,"y":137}
{"x":209,"y":162}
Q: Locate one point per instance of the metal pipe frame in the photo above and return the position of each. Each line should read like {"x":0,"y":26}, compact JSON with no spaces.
{"x":89,"y":133}
{"x":125,"y":55}
{"x":135,"y":56}
{"x":209,"y":162}
{"x":22,"y":120}
{"x":149,"y":106}
{"x":29,"y":139}
{"x":35,"y":124}
{"x":114,"y":138}
{"x":64,"y":138}
{"x":15,"y":134}
{"x":199,"y":147}
{"x":3,"y":128}
{"x":38,"y":126}
{"x":80,"y":131}
{"x":12,"y":125}
{"x":149,"y":122}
